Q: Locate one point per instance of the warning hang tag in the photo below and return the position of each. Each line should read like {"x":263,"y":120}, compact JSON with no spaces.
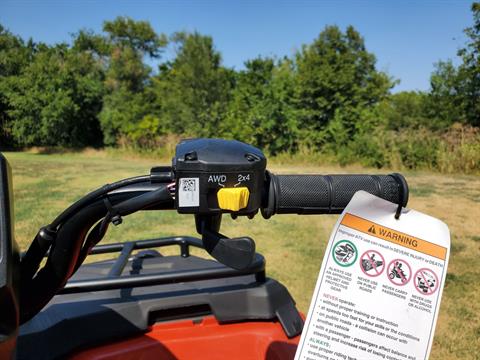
{"x":379,"y":289}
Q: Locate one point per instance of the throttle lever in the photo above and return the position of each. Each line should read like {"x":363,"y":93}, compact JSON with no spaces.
{"x":237,"y":253}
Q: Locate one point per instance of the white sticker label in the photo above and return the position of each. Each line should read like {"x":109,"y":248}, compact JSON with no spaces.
{"x":189,"y":192}
{"x":378,"y":292}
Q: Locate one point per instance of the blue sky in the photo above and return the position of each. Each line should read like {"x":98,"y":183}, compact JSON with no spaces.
{"x":406,"y":36}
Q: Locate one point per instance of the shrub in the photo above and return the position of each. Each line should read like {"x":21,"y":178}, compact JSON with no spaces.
{"x":460,"y":150}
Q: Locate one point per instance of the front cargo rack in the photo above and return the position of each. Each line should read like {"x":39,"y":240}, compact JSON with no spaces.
{"x":115,"y":280}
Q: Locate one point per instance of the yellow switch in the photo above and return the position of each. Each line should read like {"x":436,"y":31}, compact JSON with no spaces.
{"x":233,"y":198}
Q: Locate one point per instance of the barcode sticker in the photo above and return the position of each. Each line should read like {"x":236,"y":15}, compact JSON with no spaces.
{"x":189,"y":192}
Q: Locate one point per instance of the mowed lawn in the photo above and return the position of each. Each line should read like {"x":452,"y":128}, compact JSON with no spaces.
{"x":293,"y":245}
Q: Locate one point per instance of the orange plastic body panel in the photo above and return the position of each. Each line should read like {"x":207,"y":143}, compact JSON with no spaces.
{"x":206,"y":339}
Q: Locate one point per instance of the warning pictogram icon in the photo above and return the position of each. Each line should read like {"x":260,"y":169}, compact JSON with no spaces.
{"x":372,"y":263}
{"x":344,"y":253}
{"x":372,"y":229}
{"x":399,"y":272}
{"x":426,"y":281}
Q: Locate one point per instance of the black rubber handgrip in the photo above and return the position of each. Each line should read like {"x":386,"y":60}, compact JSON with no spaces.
{"x":328,"y":194}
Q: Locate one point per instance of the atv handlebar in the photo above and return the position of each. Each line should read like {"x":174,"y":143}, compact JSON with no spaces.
{"x":206,"y":166}
{"x":328,"y":194}
{"x":294,"y":194}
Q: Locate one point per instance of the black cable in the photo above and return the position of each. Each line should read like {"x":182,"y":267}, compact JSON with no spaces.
{"x":42,"y":242}
{"x":87,"y":199}
{"x":94,"y":237}
{"x":74,"y":240}
{"x":143,"y":201}
{"x":124,"y":208}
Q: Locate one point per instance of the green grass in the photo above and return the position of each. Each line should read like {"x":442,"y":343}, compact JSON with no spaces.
{"x":293,"y":245}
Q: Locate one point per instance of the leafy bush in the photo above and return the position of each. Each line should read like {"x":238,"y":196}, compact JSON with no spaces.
{"x":55,"y":100}
{"x":460,"y":150}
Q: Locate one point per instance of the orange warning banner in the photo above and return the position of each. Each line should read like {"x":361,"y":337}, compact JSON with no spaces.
{"x":394,"y":236}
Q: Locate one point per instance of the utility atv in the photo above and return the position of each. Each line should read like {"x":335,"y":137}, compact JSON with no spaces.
{"x":145,"y":305}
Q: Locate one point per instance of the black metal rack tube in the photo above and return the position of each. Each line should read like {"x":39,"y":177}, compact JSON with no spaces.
{"x":79,"y":286}
{"x":122,"y":260}
{"x":114,"y":280}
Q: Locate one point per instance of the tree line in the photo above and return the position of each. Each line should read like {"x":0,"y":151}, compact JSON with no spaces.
{"x":329,"y":99}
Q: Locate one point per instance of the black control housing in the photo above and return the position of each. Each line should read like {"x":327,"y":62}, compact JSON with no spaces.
{"x":203,"y":166}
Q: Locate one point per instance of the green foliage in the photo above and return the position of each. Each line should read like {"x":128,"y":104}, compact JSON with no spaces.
{"x":261,"y":111}
{"x":336,"y":73}
{"x":147,"y":132}
{"x":414,"y":148}
{"x":469,"y":71}
{"x":193,"y":90}
{"x":367,"y":144}
{"x":88,"y":41}
{"x":55,"y":99}
{"x":127,"y":100}
{"x":14,"y":53}
{"x":460,"y":150}
{"x":455,"y":91}
{"x":122,"y":111}
{"x":406,"y":109}
{"x":124,"y":32}
{"x":14,"y":56}
{"x":446,"y":100}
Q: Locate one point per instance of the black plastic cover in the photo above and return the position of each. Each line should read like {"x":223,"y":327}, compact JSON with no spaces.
{"x":209,"y":155}
{"x":82,"y":320}
{"x":8,"y":265}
